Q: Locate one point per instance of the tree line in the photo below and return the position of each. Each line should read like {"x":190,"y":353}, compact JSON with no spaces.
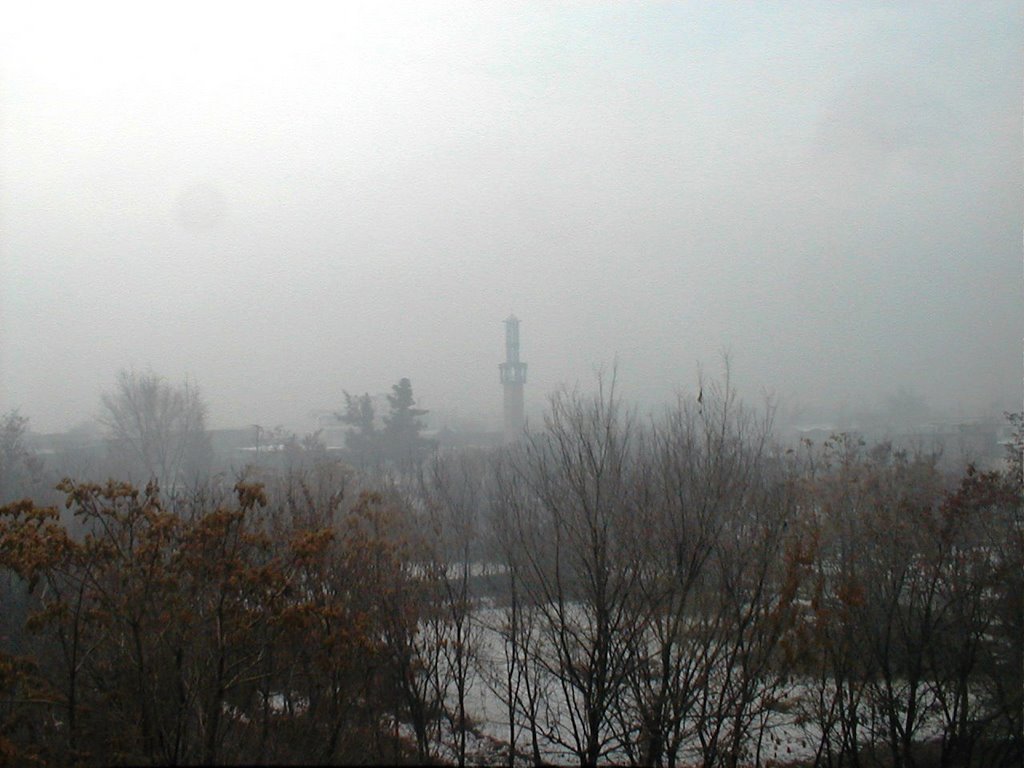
{"x":666,"y":591}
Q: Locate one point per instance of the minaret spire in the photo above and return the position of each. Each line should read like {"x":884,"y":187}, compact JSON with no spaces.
{"x":513,"y":377}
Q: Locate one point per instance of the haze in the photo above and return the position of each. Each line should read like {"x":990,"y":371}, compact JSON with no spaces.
{"x":283,"y":201}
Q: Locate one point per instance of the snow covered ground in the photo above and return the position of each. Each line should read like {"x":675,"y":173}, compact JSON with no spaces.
{"x":785,"y":738}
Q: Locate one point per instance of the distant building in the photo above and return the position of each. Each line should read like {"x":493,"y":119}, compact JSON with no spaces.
{"x":513,"y":377}
{"x":982,"y":441}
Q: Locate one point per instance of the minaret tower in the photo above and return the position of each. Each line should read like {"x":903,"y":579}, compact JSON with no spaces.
{"x":513,"y":376}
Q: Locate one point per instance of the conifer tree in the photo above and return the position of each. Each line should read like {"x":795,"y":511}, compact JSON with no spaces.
{"x":402,"y":427}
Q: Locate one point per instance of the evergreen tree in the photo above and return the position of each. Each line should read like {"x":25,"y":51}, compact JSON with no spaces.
{"x":364,"y":439}
{"x":402,"y":427}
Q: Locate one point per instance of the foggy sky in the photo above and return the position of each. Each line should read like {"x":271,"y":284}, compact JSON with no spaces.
{"x":283,"y":201}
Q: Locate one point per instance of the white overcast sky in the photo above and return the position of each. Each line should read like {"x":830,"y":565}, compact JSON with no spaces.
{"x":285,"y":200}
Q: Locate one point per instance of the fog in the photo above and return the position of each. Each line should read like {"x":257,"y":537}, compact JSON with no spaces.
{"x":288,"y":200}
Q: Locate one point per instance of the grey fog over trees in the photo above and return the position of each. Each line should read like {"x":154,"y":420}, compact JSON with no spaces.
{"x":368,"y":537}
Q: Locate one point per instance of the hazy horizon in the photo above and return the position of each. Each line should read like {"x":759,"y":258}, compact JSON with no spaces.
{"x":283,"y":202}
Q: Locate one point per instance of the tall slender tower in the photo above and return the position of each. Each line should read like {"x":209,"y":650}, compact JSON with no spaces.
{"x":513,"y":376}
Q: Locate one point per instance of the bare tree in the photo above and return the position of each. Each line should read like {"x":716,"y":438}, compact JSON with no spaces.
{"x":452,"y":488}
{"x":908,"y":636}
{"x":20,"y":467}
{"x":156,"y":429}
{"x":579,"y":560}
{"x":712,"y":594}
{"x":521,"y":683}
